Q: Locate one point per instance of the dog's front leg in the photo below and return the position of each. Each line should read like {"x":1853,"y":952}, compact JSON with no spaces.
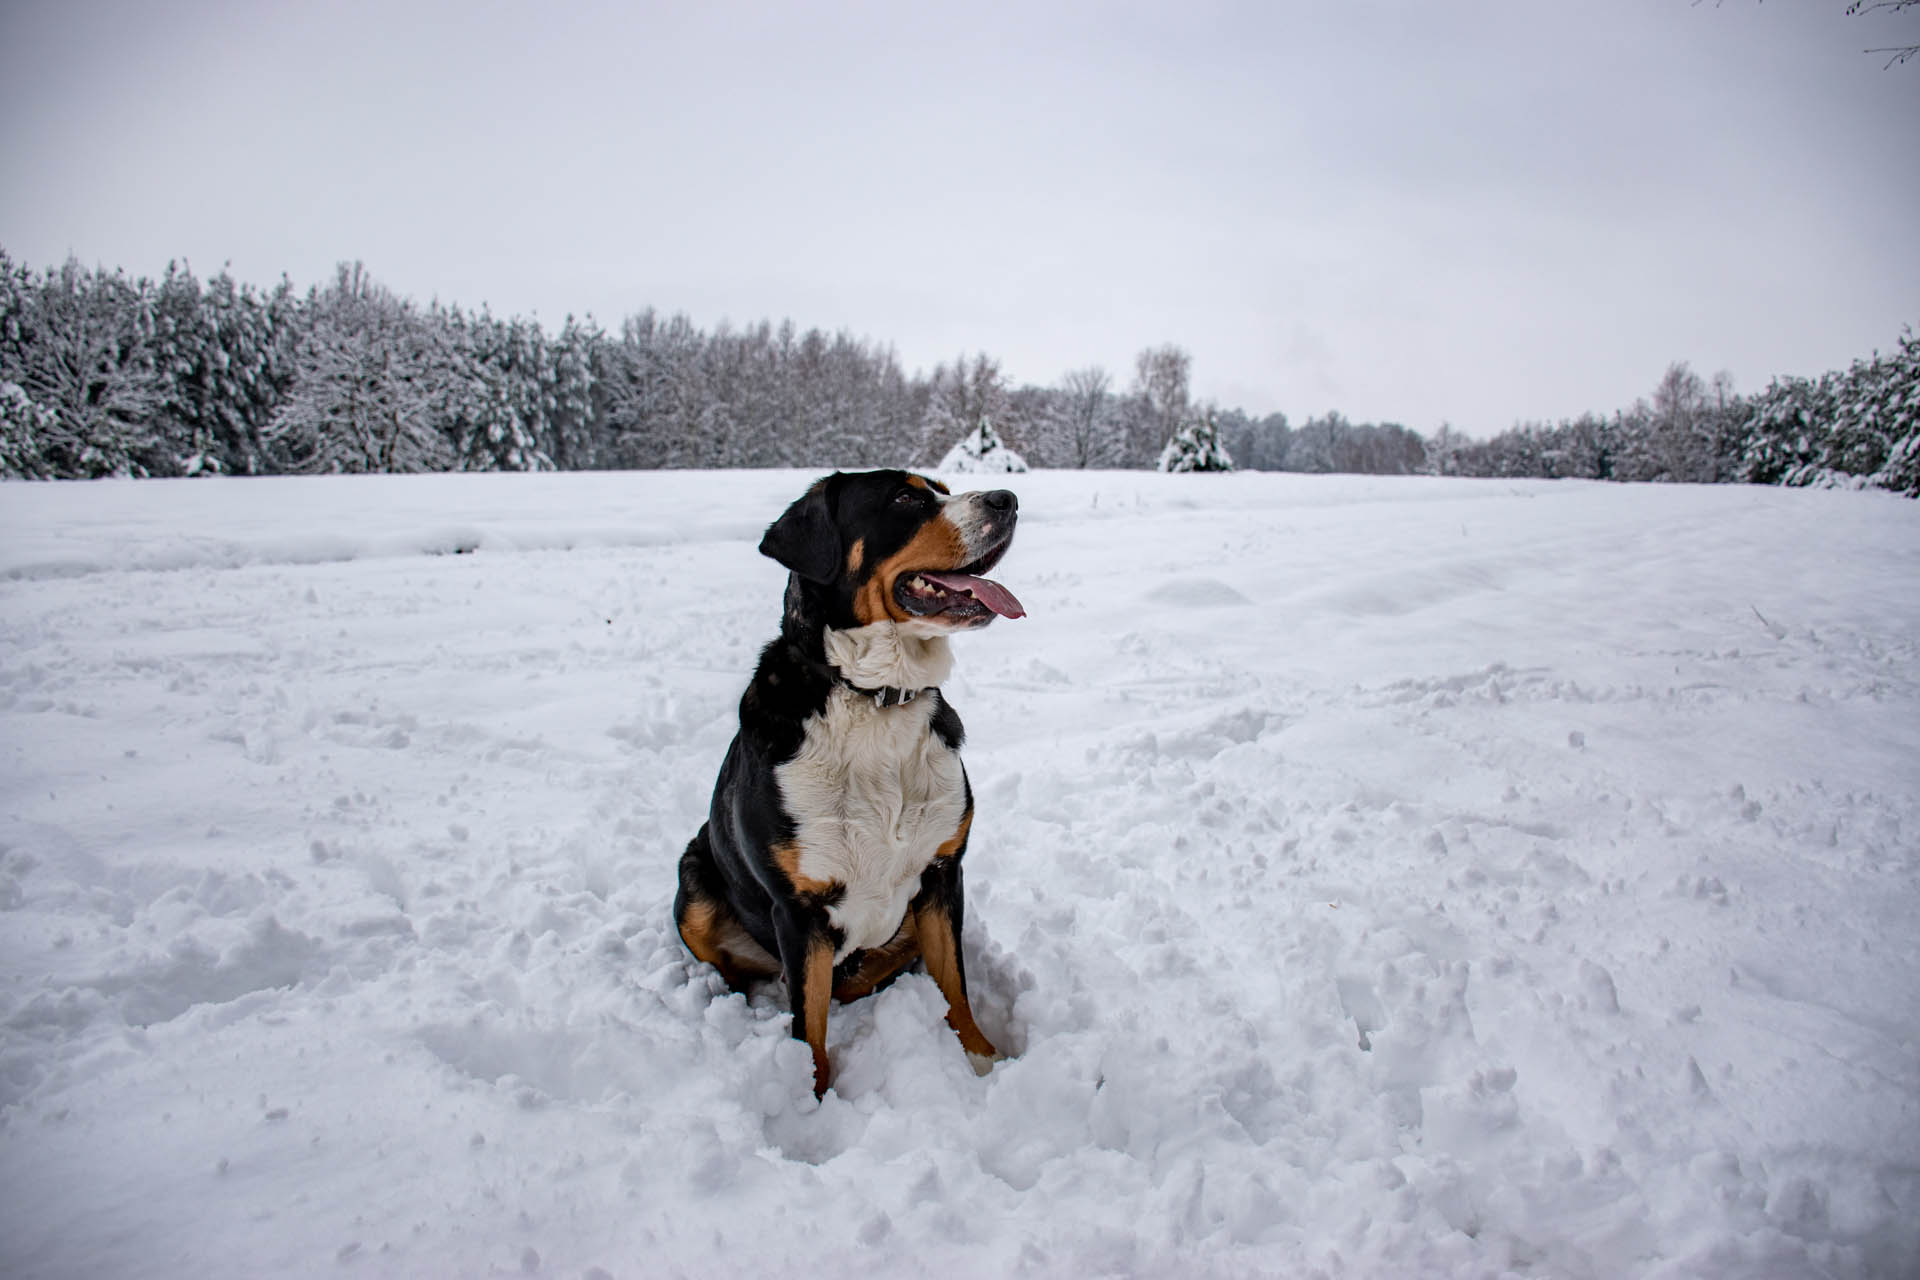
{"x":806,"y":960}
{"x":938,"y":913}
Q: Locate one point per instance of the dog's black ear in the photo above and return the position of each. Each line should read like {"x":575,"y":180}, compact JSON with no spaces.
{"x":804,"y":538}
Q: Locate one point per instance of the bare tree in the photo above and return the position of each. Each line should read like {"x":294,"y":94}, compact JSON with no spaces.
{"x":364,"y":385}
{"x":1160,"y":393}
{"x":1682,"y":425}
{"x":1086,"y":393}
{"x":963,"y":395}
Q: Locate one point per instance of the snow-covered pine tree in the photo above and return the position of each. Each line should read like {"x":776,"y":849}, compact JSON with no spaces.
{"x":1196,"y":447}
{"x":1785,"y":431}
{"x":22,"y":425}
{"x":529,"y":382}
{"x":1874,"y":420}
{"x":681,"y":423}
{"x":223,"y":365}
{"x":960,"y":397}
{"x":981,"y":452}
{"x":573,"y":446}
{"x":491,"y":390}
{"x":22,"y":422}
{"x":624,"y":394}
{"x":183,"y":357}
{"x":1900,"y":413}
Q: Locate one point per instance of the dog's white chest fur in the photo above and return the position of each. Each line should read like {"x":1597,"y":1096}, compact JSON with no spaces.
{"x":874,"y":793}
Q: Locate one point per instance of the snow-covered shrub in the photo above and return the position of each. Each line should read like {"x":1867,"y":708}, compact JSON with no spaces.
{"x":1196,"y":447}
{"x":981,"y":452}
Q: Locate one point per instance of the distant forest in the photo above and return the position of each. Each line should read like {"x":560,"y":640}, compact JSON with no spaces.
{"x":102,"y":375}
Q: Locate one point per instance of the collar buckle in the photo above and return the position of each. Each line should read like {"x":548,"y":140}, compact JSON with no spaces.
{"x":888,"y":696}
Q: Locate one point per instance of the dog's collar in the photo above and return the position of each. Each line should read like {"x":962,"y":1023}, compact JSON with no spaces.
{"x":880,"y":663}
{"x":883,"y":697}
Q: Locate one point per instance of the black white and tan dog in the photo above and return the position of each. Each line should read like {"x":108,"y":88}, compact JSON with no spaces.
{"x":831,"y":854}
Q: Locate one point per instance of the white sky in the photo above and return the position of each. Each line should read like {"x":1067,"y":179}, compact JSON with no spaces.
{"x":1473,"y":211}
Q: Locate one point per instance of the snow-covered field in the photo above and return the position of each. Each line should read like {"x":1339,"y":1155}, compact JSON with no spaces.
{"x":1371,"y":878}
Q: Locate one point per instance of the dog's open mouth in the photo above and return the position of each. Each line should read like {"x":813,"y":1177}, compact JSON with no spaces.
{"x":958,"y":595}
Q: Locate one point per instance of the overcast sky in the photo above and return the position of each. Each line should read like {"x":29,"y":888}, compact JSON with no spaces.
{"x":1474,"y":211}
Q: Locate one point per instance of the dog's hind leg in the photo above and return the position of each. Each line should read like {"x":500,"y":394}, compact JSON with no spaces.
{"x":708,"y":926}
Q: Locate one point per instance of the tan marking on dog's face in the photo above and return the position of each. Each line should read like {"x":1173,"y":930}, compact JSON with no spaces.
{"x":938,"y":545}
{"x":856,"y":556}
{"x":786,"y":856}
{"x":959,"y":841}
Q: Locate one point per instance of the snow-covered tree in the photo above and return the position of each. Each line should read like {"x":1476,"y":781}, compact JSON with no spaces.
{"x":1196,"y":447}
{"x":1899,"y":414}
{"x":572,"y":444}
{"x":1859,"y":427}
{"x":492,"y":391}
{"x":23,"y":425}
{"x":79,"y":344}
{"x":960,"y":397}
{"x":223,"y":354}
{"x":981,"y":452}
{"x":1786,"y":431}
{"x":364,"y":392}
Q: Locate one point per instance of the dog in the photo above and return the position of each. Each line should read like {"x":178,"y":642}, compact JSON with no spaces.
{"x":831,"y":853}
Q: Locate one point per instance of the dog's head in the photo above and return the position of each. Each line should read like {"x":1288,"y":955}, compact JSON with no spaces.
{"x":891,"y":546}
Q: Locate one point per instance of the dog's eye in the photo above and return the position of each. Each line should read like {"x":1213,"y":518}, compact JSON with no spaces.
{"x":906,"y":497}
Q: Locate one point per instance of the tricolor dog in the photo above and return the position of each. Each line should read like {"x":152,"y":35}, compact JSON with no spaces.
{"x":831,"y":854}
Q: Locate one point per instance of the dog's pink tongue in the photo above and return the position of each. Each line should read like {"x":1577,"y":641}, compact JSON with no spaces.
{"x":985,"y":590}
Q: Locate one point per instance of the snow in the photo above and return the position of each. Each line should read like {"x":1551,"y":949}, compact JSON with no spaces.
{"x":1371,"y":877}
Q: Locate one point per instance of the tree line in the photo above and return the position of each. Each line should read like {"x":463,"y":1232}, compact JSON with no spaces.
{"x":103,"y":375}
{"x":1856,"y":428}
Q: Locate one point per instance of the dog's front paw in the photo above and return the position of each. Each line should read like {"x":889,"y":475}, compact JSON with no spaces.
{"x":983,"y":1063}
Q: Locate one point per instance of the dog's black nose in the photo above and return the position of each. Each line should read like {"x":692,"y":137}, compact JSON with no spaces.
{"x":1001,"y":500}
